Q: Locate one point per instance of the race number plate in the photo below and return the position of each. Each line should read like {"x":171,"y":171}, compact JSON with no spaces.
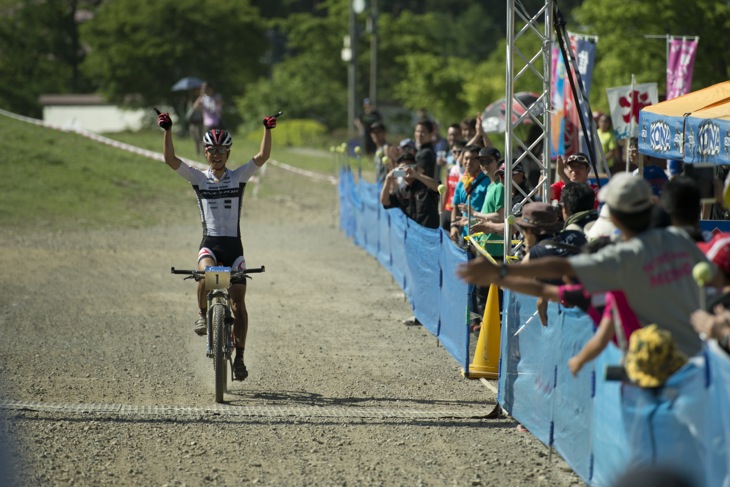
{"x":217,"y":278}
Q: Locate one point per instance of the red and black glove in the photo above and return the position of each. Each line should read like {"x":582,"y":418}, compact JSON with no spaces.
{"x":164,"y":121}
{"x":270,"y":122}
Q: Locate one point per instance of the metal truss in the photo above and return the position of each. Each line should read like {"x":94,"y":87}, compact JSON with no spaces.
{"x":523,"y":68}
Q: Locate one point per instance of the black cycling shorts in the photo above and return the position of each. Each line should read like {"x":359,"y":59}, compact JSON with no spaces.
{"x":227,"y":251}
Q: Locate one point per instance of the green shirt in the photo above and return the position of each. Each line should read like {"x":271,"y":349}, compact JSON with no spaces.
{"x":493,"y":201}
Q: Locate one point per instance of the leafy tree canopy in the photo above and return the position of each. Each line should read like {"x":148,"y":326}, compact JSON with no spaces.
{"x":142,"y":47}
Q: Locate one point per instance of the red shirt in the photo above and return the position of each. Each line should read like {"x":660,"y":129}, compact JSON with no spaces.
{"x":557,"y":190}
{"x":451,"y":181}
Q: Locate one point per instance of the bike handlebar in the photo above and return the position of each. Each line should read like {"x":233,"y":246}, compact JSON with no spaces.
{"x":234,"y":273}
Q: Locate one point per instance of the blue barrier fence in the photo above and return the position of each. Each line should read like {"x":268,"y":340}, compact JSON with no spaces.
{"x":421,"y":260}
{"x":601,"y":428}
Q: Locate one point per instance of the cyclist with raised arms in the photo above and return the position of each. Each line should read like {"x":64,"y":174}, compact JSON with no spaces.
{"x":220,"y":195}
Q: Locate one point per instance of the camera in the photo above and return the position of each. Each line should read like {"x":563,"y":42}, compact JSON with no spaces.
{"x":399,"y":173}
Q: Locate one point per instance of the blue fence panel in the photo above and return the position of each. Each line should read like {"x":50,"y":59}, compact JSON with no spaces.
{"x":384,"y":256}
{"x":346,"y":186}
{"x":607,"y":424}
{"x":399,"y":267}
{"x":361,"y":227}
{"x":370,"y":198}
{"x":423,"y":248}
{"x":574,"y":404}
{"x":717,"y":437}
{"x":454,"y":323}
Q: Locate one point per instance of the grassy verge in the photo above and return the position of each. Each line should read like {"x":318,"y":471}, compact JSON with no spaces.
{"x":53,"y":179}
{"x":57,"y":179}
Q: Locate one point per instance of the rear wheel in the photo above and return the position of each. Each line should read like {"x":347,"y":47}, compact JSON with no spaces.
{"x":219,"y":359}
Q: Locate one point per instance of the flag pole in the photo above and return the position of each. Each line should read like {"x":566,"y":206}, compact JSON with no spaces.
{"x":631,"y":121}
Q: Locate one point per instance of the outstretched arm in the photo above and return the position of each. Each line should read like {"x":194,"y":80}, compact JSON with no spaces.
{"x":163,"y":120}
{"x":531,"y":287}
{"x":265,"y":149}
{"x":482,"y":272}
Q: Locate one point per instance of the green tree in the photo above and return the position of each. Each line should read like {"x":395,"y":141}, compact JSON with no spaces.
{"x":311,"y":80}
{"x":623,"y":50}
{"x":142,"y":48}
{"x":40,"y":51}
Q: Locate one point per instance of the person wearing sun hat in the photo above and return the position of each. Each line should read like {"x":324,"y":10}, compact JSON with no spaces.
{"x":652,"y":266}
{"x":652,"y":357}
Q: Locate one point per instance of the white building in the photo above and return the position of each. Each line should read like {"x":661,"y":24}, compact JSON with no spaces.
{"x":90,"y":112}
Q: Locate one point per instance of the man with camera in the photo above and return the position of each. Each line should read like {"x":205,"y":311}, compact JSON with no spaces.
{"x":409,"y":188}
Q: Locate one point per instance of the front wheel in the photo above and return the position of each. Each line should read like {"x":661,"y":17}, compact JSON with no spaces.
{"x":219,"y":344}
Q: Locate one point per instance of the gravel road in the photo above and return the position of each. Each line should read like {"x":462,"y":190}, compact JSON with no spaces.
{"x":104,"y":382}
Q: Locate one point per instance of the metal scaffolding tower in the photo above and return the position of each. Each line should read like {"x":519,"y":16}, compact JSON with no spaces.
{"x":524,"y":66}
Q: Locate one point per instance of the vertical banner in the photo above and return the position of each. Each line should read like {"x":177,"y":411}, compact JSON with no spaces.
{"x":680,"y":64}
{"x":625,"y":105}
{"x":557,"y":99}
{"x":585,"y":57}
{"x":565,"y":119}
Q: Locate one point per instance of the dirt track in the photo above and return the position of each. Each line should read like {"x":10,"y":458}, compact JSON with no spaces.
{"x":339,"y":393}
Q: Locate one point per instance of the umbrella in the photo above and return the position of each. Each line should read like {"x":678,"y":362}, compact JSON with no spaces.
{"x":189,"y":83}
{"x":493,"y":119}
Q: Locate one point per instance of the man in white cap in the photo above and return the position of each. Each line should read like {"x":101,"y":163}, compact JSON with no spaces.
{"x":652,"y":266}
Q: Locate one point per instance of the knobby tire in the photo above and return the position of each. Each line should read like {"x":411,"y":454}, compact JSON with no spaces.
{"x":219,"y":359}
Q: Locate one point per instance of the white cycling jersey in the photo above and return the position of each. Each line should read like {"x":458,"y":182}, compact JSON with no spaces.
{"x":219,"y":201}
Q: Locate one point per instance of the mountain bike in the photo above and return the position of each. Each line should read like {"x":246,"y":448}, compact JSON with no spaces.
{"x":219,"y":318}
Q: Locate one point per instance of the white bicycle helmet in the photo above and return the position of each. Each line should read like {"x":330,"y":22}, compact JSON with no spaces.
{"x":217,"y":137}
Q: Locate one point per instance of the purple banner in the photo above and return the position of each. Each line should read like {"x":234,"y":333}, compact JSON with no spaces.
{"x":680,"y":65}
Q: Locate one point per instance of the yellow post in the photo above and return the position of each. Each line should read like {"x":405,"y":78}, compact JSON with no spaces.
{"x":486,"y":356}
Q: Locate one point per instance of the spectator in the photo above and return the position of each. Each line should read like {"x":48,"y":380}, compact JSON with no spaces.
{"x":576,"y":169}
{"x":452,"y":180}
{"x":408,"y":145}
{"x":541,"y":227}
{"x":608,"y":142}
{"x":602,"y":227}
{"x":469,"y":193}
{"x":211,"y":106}
{"x":615,"y":312}
{"x":652,"y":266}
{"x":377,"y":134}
{"x":363,"y":123}
{"x":480,"y":138}
{"x":518,"y":178}
{"x":422,"y":135}
{"x":194,"y":119}
{"x":414,"y":193}
{"x":468,"y":128}
{"x":578,"y":202}
{"x":493,"y":208}
{"x":682,"y":201}
{"x":714,"y":321}
{"x":453,"y":133}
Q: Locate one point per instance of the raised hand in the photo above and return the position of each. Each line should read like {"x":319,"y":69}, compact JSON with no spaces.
{"x":270,"y":122}
{"x":164,"y":121}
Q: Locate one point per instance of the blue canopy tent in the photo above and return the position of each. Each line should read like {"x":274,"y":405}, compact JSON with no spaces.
{"x":694,"y":128}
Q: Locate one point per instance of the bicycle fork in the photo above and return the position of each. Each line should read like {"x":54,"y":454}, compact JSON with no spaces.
{"x":219,"y":297}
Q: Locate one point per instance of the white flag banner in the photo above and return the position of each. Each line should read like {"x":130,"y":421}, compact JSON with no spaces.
{"x":625,"y":105}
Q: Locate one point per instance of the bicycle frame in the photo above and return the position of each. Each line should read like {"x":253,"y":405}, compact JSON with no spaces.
{"x":220,"y":340}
